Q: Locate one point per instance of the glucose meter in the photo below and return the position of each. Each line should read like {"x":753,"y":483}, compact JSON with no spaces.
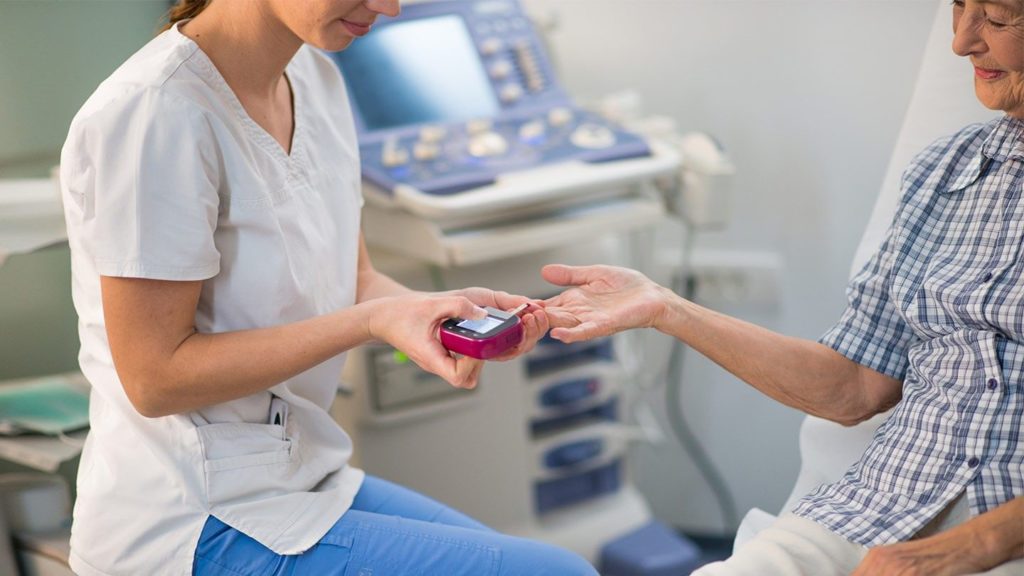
{"x":491,"y":336}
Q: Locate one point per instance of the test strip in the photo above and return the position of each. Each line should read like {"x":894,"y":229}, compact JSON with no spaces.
{"x":518,"y":309}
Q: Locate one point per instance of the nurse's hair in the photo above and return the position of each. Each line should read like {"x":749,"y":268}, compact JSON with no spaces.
{"x":183,"y":10}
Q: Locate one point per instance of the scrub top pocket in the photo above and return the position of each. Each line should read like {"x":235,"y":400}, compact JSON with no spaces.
{"x":234,"y":452}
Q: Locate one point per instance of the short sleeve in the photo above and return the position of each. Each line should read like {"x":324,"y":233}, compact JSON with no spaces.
{"x":871,"y":331}
{"x":144,"y":174}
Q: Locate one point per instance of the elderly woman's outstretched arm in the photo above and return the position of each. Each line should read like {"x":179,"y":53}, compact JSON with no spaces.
{"x":603,"y":300}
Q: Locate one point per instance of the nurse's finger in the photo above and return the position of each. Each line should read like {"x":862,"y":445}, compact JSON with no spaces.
{"x":495,"y":298}
{"x":467,"y":372}
{"x":506,"y":301}
{"x":534,"y":328}
{"x":459,"y":307}
{"x":436,"y":359}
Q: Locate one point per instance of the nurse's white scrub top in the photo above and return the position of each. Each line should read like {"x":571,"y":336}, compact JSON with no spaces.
{"x":165,"y":176}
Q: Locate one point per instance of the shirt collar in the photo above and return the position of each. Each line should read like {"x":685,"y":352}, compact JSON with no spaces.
{"x":1005,"y":142}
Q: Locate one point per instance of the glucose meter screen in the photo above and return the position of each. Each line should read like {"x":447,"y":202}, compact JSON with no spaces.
{"x":481,"y":326}
{"x":426,"y":70}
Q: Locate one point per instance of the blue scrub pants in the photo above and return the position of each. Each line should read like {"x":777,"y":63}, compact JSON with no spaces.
{"x":389,"y":531}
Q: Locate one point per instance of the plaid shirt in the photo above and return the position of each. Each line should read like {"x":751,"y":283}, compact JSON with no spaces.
{"x":941,"y":307}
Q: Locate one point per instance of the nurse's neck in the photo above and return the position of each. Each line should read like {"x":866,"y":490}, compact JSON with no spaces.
{"x":249,"y":46}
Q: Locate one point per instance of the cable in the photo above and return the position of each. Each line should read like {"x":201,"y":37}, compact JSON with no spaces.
{"x":674,"y":410}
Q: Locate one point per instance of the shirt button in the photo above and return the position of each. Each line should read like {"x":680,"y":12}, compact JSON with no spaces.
{"x":993,"y":383}
{"x":986,"y":277}
{"x":973,"y":462}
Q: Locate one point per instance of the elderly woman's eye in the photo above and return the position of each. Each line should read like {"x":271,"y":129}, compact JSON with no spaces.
{"x":958,"y":3}
{"x":998,"y":20}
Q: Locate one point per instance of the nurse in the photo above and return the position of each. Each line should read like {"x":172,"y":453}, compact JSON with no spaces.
{"x":211,"y":189}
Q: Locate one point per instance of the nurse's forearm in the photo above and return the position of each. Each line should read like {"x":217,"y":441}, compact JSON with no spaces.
{"x":245,"y":362}
{"x":167,"y":367}
{"x":208,"y":369}
{"x":800,"y":373}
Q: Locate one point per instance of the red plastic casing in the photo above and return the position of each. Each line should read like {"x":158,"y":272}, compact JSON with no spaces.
{"x":483,"y":348}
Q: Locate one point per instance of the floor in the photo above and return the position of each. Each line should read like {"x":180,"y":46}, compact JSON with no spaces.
{"x":712,"y":548}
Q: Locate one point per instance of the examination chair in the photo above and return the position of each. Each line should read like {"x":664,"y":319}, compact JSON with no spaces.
{"x":942,"y":102}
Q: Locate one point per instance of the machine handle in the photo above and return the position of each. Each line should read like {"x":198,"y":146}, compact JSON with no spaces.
{"x":573,"y":454}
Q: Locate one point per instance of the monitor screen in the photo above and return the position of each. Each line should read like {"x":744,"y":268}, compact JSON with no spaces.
{"x":425,"y":70}
{"x":482,"y":326}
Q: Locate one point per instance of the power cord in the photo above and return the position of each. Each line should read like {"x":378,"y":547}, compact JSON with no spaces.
{"x":686,"y":286}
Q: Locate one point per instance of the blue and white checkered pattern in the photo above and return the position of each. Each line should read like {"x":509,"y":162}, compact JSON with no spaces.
{"x":940,"y":306}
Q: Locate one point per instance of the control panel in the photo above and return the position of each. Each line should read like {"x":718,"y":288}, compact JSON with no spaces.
{"x":452,"y":94}
{"x":574,"y":392}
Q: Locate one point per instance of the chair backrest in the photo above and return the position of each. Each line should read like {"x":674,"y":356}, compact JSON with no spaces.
{"x":943,"y":101}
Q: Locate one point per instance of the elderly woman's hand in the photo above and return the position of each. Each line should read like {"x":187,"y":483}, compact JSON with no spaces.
{"x":603,"y":300}
{"x":985,"y":541}
{"x":937,"y":555}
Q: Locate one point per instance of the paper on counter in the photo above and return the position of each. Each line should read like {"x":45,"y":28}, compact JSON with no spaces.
{"x":31,"y":216}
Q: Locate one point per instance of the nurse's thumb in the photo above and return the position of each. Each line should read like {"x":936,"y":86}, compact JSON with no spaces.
{"x":461,"y":307}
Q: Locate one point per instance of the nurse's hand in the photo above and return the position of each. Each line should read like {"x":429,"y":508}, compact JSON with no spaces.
{"x":411,"y":324}
{"x":534,"y":319}
{"x":602,"y":300}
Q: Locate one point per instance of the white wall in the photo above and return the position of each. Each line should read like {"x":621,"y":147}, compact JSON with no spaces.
{"x":807,"y":96}
{"x":53,"y":54}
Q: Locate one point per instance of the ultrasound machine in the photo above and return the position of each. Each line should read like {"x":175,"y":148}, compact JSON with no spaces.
{"x":476,"y":160}
{"x":463,"y":125}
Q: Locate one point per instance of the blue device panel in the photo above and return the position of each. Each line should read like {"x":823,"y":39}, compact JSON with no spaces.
{"x":561,"y":492}
{"x":450,"y":95}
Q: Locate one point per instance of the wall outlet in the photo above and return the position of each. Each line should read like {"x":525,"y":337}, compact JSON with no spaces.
{"x":737,"y":277}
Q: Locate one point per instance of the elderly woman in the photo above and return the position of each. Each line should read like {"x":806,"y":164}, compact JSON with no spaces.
{"x":934,"y":327}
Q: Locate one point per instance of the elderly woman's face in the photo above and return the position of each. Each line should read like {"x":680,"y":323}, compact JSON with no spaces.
{"x":991,"y":34}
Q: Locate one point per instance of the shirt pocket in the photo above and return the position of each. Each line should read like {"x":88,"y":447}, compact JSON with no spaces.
{"x":236,"y":452}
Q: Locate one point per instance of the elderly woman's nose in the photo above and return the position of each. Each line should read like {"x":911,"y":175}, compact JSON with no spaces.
{"x":966,"y":40}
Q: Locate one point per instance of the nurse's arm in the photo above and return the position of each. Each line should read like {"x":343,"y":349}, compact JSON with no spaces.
{"x":167,"y":367}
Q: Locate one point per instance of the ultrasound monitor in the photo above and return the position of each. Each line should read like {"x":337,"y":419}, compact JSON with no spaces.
{"x":416,"y":72}
{"x":452,"y":95}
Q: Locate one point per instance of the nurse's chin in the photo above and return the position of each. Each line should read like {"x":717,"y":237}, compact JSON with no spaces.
{"x":335,"y":38}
